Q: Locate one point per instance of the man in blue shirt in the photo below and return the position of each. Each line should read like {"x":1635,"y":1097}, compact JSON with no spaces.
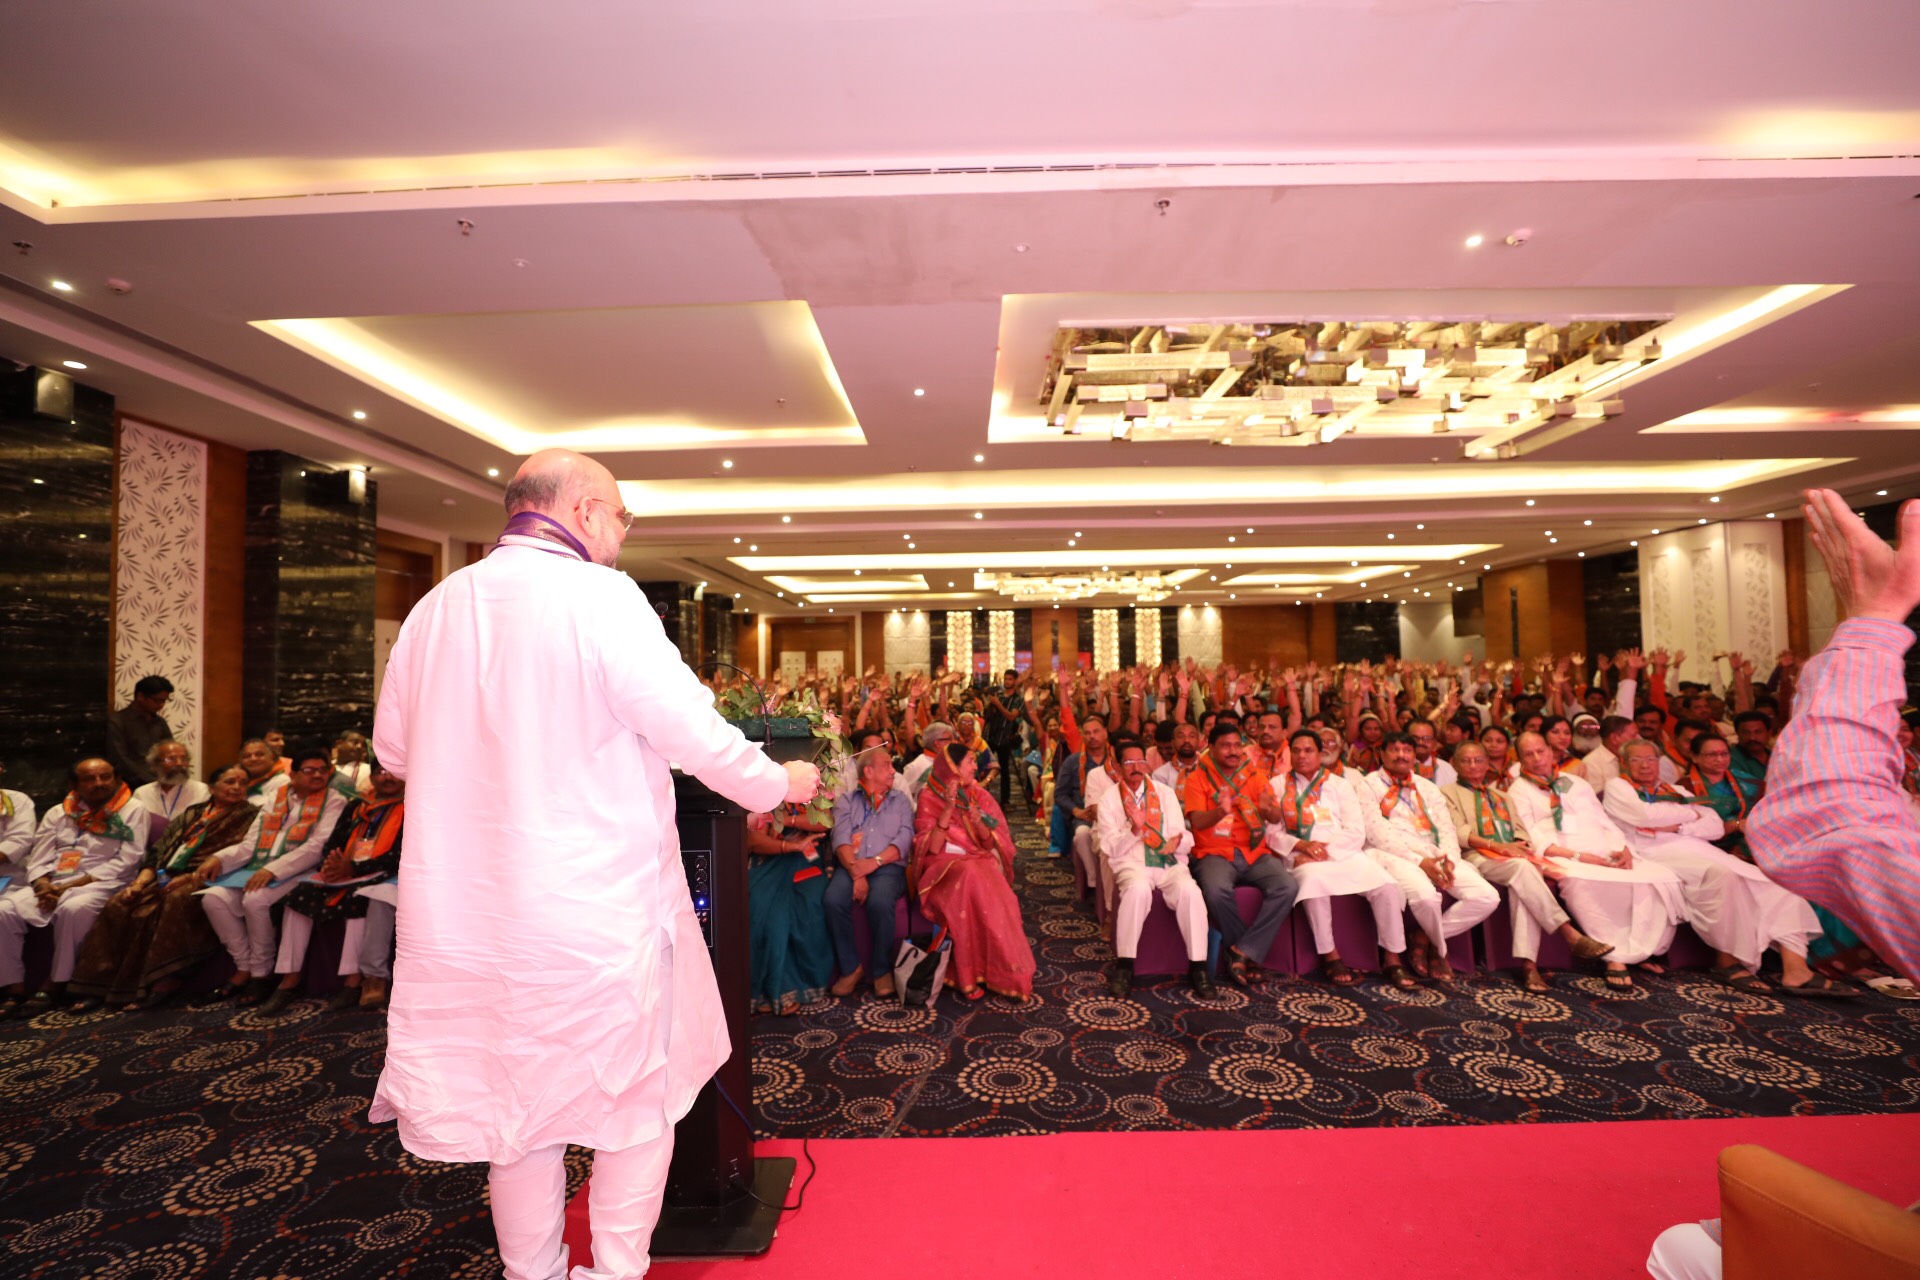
{"x":872,"y":836}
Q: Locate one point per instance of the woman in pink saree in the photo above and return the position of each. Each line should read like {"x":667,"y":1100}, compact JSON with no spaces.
{"x":962,"y":870}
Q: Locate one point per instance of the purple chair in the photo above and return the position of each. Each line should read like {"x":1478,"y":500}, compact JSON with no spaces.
{"x":1359,"y":942}
{"x":907,"y":921}
{"x":1162,"y":949}
{"x":1688,"y":951}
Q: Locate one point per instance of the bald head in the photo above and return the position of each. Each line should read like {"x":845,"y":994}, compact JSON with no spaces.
{"x":578,"y":493}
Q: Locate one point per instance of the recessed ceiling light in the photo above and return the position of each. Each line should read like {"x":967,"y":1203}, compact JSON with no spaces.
{"x":979,"y":515}
{"x":726,"y":464}
{"x":1582,"y":555}
{"x":780,"y":594}
{"x":1354,"y":563}
{"x":1229,"y":566}
{"x":949,"y":584}
{"x":736,"y":542}
{"x":1634,"y":543}
{"x":979,"y":457}
{"x":1078,"y":534}
{"x":1486,"y":566}
{"x":360,"y":415}
{"x":919,"y":391}
{"x":494,"y":471}
{"x":856,"y":573}
{"x":1317,"y":595}
{"x":1702,"y":520}
{"x":75,"y":364}
{"x":786,"y":519}
{"x":1549,"y":533}
{"x":1716,"y":497}
{"x":1419,"y":526}
{"x":752,"y":547}
{"x":1769,"y":515}
{"x":1389,"y":537}
{"x":1230,"y":537}
{"x":63,"y":286}
{"x":1587,"y":523}
{"x":1556,"y":539}
{"x":1529,"y":501}
{"x":1878,"y":493}
{"x":1656,"y":531}
{"x":736,"y":595}
{"x":1211,"y":578}
{"x":1230,"y":595}
{"x":1407,"y":574}
{"x":1072,"y":542}
{"x":1249,"y":528}
{"x":911,"y":546}
{"x":38,"y":480}
{"x":1475,"y":241}
{"x":83,"y":535}
{"x":829,"y":608}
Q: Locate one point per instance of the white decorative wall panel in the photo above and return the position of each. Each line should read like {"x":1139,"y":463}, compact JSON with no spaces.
{"x":1200,"y":634}
{"x":999,"y":641}
{"x":1146,"y":637}
{"x":159,"y":579}
{"x":959,"y":641}
{"x":1426,"y":633}
{"x":907,"y":638}
{"x":1106,"y":639}
{"x":1715,"y":588}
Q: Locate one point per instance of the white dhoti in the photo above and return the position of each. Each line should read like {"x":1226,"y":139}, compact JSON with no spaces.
{"x":244,"y":922}
{"x":1730,"y":902}
{"x":71,"y":917}
{"x":1135,"y":884}
{"x":296,"y":931}
{"x":1473,"y":899}
{"x":1633,"y":909}
{"x":623,"y":1201}
{"x":1083,"y":851}
{"x":1321,"y":882}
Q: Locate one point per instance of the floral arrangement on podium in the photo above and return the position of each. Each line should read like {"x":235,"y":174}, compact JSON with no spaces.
{"x":793,"y":727}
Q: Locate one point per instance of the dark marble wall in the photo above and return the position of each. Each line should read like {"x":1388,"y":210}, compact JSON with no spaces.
{"x":311,"y":547}
{"x":56,"y":584}
{"x":1613,"y":601}
{"x":1366,"y":632}
{"x":679,"y":615}
{"x":717,"y":643}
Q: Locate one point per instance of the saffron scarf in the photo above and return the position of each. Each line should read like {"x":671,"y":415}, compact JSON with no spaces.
{"x":104,"y":821}
{"x":275,"y":819}
{"x":280,"y":767}
{"x":1700,"y":787}
{"x":1661,"y":793}
{"x":1422,"y":820}
{"x":1363,"y":757}
{"x":1145,"y":817}
{"x":1555,"y":787}
{"x":205,"y":823}
{"x":375,"y":829}
{"x":1297,"y":803}
{"x":1492,"y":819}
{"x":1245,"y":806}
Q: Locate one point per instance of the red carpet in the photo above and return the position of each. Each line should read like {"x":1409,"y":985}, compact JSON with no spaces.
{"x":1503,"y":1201}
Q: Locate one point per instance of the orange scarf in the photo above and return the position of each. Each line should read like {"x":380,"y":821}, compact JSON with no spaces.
{"x":275,"y":818}
{"x":1422,"y":820}
{"x":1296,"y":804}
{"x":1493,"y":820}
{"x":104,"y":821}
{"x":1245,"y":804}
{"x":1553,"y":787}
{"x":1144,"y":816}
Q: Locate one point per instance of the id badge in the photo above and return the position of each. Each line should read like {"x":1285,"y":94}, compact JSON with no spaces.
{"x":69,"y":862}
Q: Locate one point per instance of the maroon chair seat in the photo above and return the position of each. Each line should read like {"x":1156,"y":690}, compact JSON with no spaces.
{"x":1359,"y":942}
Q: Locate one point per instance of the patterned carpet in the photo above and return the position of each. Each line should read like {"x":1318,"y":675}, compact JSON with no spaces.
{"x":1304,"y":1054}
{"x":218,"y":1143}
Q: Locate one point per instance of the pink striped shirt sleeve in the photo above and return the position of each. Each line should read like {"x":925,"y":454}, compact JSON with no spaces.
{"x":1835,"y":826}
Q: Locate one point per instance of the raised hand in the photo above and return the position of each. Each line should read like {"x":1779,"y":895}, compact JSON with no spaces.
{"x":1870,"y":579}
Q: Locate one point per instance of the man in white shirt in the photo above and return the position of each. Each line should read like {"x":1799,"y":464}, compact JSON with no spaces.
{"x":1730,"y":902}
{"x":1602,"y":764}
{"x":85,"y":851}
{"x":174,"y":788}
{"x":1185,"y":759}
{"x":286,"y":840}
{"x":1144,"y":838}
{"x":1426,"y":755}
{"x":1322,"y":833}
{"x":16,"y":834}
{"x":933,"y":739}
{"x":1410,"y":834}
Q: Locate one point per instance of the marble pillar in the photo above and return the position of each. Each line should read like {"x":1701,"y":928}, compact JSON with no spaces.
{"x":311,"y":545}
{"x":56,"y":584}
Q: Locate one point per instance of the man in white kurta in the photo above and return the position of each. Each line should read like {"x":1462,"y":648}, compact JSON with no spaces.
{"x":551,"y":983}
{"x":85,"y":851}
{"x":17,"y":827}
{"x":1322,"y":833}
{"x":1730,"y":902}
{"x":1626,"y":902}
{"x":174,"y":788}
{"x":1410,"y":834}
{"x":285,"y":842}
{"x":1145,"y":841}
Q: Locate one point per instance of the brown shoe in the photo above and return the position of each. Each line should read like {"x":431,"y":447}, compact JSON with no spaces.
{"x":373,"y":993}
{"x":849,"y":982}
{"x":1585,"y":948}
{"x":883,"y":985}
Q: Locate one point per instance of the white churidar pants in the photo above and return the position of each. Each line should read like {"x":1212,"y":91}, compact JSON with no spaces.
{"x":530,"y":1202}
{"x":296,"y":931}
{"x":1473,"y":898}
{"x":1135,"y":884}
{"x":244,"y":922}
{"x":1530,"y":901}
{"x":72,"y":916}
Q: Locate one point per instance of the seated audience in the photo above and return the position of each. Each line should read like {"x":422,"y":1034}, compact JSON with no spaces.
{"x":790,"y":956}
{"x":266,"y":772}
{"x":1322,"y":833}
{"x":17,"y":827}
{"x":1730,"y":902}
{"x":1602,"y":764}
{"x":153,"y":933}
{"x":1426,"y":754}
{"x":961,"y":869}
{"x":364,"y":850}
{"x":1183,"y":760}
{"x":1499,"y":748}
{"x":1076,"y":790}
{"x":872,"y":838}
{"x":1491,"y":839}
{"x":1752,"y":745}
{"x":351,"y":772}
{"x":174,"y":789}
{"x":85,"y":852}
{"x":134,"y":729}
{"x":1410,"y":833}
{"x":1144,"y":838}
{"x":933,"y":740}
{"x":1628,"y":904}
{"x":1229,"y":802}
{"x":285,"y":841}
{"x":1713,"y":781}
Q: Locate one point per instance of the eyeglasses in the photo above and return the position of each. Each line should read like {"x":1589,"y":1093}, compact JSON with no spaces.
{"x":624,"y":516}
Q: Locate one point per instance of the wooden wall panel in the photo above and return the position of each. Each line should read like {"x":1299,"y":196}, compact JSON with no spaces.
{"x":221,"y":730}
{"x":1566,"y":607}
{"x":1793,"y":556}
{"x":746,"y":644}
{"x":873,"y":641}
{"x":1265,"y":635}
{"x":1323,"y":634}
{"x":1043,"y":647}
{"x":811,"y":636}
{"x":1549,"y":598}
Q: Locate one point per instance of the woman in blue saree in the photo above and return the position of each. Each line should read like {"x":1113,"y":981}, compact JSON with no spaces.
{"x":790,"y":951}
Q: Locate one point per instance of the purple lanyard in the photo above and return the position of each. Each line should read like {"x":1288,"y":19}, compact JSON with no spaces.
{"x":527,"y":523}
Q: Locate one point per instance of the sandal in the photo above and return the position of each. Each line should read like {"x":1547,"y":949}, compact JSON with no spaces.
{"x":1897,"y":988}
{"x":1397,"y":975}
{"x":1237,"y":970}
{"x":1819,"y":988}
{"x":1740,"y":979}
{"x":1619,"y":982}
{"x":1338,"y":973}
{"x":1535,"y":981}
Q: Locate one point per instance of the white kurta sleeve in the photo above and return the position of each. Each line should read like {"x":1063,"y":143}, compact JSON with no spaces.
{"x":16,"y":832}
{"x":1535,"y":815}
{"x":1348,"y":820}
{"x":234,"y":856}
{"x":652,"y":692}
{"x":1439,"y":815}
{"x":41,"y":861}
{"x":1386,"y":835}
{"x":1623,"y":699}
{"x":1625,"y":806}
{"x":1173,"y":822}
{"x":390,"y":713}
{"x":300,"y":858}
{"x":1116,"y":836}
{"x":132,"y":852}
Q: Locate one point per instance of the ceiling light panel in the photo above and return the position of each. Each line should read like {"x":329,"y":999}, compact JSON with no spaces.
{"x":1149,"y":558}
